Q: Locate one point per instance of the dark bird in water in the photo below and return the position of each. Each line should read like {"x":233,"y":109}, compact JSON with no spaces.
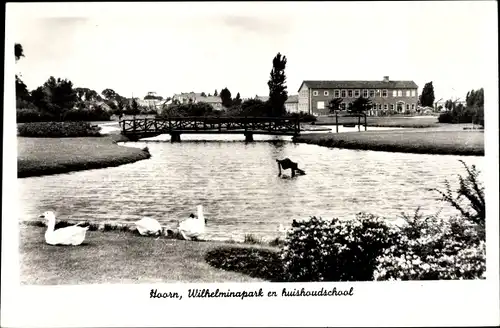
{"x":288,"y":164}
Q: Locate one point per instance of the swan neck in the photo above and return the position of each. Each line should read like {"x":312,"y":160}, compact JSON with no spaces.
{"x":51,"y":224}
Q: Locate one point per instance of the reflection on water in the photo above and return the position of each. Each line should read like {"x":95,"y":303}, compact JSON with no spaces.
{"x":238,"y":185}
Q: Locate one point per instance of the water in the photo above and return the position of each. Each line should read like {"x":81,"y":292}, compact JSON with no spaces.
{"x":239,"y":187}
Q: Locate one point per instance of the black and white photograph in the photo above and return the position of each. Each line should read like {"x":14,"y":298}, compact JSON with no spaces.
{"x":235,"y":157}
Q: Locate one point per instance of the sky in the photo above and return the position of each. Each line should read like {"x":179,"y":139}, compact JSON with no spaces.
{"x":171,"y":47}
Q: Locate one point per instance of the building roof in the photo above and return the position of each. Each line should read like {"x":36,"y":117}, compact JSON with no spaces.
{"x":188,"y":95}
{"x":262,"y":98}
{"x":292,"y":99}
{"x":210,"y":99}
{"x":359,"y":84}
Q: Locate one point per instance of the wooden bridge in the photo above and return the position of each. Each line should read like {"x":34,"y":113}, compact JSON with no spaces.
{"x":136,"y":129}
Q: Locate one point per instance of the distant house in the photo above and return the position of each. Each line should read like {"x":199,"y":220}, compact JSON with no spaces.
{"x":385,"y":95}
{"x":292,"y":104}
{"x":442,"y":103}
{"x":194,"y":97}
{"x":215,"y":101}
{"x":186,"y":97}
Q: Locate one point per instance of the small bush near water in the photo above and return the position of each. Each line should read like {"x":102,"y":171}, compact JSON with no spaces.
{"x":58,"y":129}
{"x":257,"y":263}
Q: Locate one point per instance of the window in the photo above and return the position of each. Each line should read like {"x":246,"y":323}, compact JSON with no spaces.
{"x":372,"y":93}
{"x":356,"y":93}
{"x":342,"y":94}
{"x":379,"y":106}
{"x":407,"y":93}
{"x":342,"y":106}
{"x":374,"y":106}
{"x":392,"y":106}
{"x":384,"y":93}
{"x":325,"y":93}
{"x":377,"y":93}
{"x":386,"y":107}
{"x":394,"y":93}
{"x":315,"y":93}
{"x":349,"y":93}
{"x":400,"y":93}
{"x":321,"y":105}
{"x":365,"y":93}
{"x":407,"y":106}
{"x":337,"y":93}
{"x":412,"y":106}
{"x":413,"y":92}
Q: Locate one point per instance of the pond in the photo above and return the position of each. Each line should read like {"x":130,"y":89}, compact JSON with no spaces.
{"x":238,"y":185}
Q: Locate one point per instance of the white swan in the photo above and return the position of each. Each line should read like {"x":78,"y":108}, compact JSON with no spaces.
{"x":72,"y":235}
{"x":193,"y":227}
{"x":148,"y":226}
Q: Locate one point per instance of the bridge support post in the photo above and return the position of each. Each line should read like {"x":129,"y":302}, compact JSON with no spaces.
{"x":175,"y":137}
{"x":248,"y":136}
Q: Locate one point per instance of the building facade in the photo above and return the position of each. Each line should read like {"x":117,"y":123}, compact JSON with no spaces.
{"x":386,"y":96}
{"x":292,"y":104}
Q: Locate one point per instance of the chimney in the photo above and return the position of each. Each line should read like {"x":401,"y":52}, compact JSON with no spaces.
{"x":386,"y":79}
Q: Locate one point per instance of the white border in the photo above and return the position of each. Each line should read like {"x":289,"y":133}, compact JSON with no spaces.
{"x":374,"y":304}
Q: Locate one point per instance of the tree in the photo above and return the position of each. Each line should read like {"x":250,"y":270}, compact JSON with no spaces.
{"x":18,"y":51}
{"x":360,"y":105}
{"x":215,"y":93}
{"x":86,"y":94}
{"x":209,"y":95}
{"x":134,"y":108}
{"x":254,"y":107}
{"x":237,"y":101}
{"x":427,"y":96}
{"x":277,"y":88}
{"x":449,"y":105}
{"x":203,"y":94}
{"x":55,"y":96}
{"x":109,"y":94}
{"x":475,"y":98}
{"x":334,"y":104}
{"x":225,"y":96}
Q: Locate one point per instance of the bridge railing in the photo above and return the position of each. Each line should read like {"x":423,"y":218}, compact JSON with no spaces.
{"x":221,"y":124}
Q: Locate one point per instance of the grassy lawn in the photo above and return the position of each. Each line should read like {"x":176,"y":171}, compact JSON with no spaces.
{"x":124,"y":257}
{"x":42,"y":156}
{"x":390,"y":121}
{"x":419,"y":141}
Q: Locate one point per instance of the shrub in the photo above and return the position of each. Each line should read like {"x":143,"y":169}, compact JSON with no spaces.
{"x":96,"y":114}
{"x":443,"y":249}
{"x":196,"y":109}
{"x":58,"y":129}
{"x":472,"y":191}
{"x":255,"y":262}
{"x":251,"y":239}
{"x":303,"y":117}
{"x":336,"y":250}
{"x":460,"y":114}
{"x":24,"y":115}
{"x":433,"y":248}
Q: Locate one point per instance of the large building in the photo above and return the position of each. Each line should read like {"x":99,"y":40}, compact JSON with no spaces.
{"x":386,"y":95}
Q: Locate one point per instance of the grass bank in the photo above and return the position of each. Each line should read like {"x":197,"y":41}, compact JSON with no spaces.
{"x":411,"y":141}
{"x":45,"y":156}
{"x":124,"y":257}
{"x":386,"y":121}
